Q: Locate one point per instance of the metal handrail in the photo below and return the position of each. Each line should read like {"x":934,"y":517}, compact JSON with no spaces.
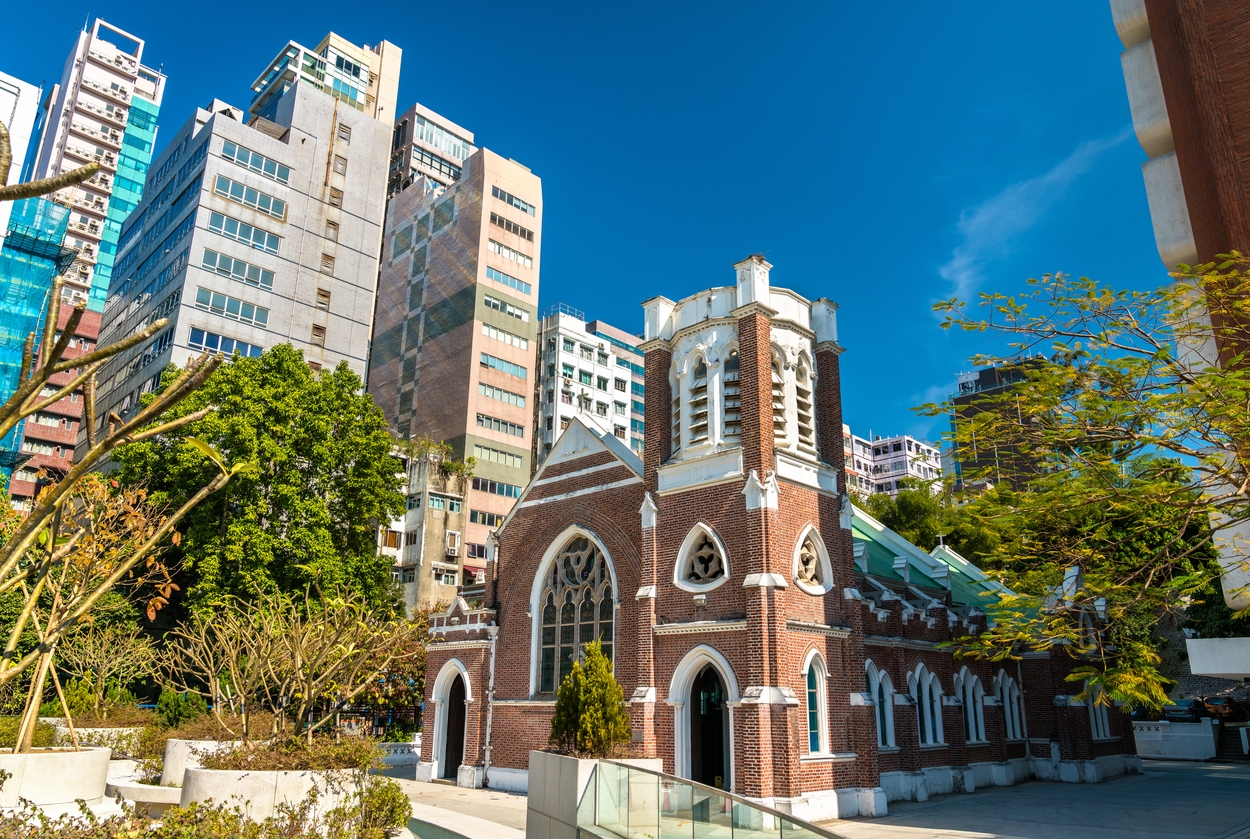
{"x":730,"y":795}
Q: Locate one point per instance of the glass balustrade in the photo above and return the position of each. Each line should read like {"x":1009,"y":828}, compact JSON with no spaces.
{"x":635,"y":803}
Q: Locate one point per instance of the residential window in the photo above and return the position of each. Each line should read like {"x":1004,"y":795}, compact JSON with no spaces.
{"x":502,"y":426}
{"x":318,"y":336}
{"x":619,"y":431}
{"x":601,"y":408}
{"x":345,"y":133}
{"x":637,"y":389}
{"x":502,"y":395}
{"x":258,"y":163}
{"x":505,"y":307}
{"x":474,"y":550}
{"x":587,"y":353}
{"x":508,"y":280}
{"x":340,"y":165}
{"x":485,"y":453}
{"x":327,"y":263}
{"x":507,"y":337}
{"x":508,"y":253}
{"x":551,"y":397}
{"x":391,"y":538}
{"x":212,"y":342}
{"x":247,"y":196}
{"x":566,"y":397}
{"x":432,"y":161}
{"x":323,"y":299}
{"x":512,"y":227}
{"x":602,"y":382}
{"x":485,"y":518}
{"x":506,"y":366}
{"x":230,"y":307}
{"x":619,"y":407}
{"x":512,"y":200}
{"x":637,"y":407}
{"x":237,"y":269}
{"x":585,"y":377}
{"x":497,"y":488}
{"x":332,"y":231}
{"x":336,"y":197}
{"x":568,"y":345}
{"x":442,"y":139}
{"x":242,"y":232}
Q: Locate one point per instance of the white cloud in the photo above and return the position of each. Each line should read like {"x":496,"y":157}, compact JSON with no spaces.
{"x":990,"y":229}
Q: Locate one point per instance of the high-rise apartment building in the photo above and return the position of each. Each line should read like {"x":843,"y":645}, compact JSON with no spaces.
{"x":104,"y":109}
{"x":454,"y":330}
{"x":427,"y":145}
{"x":878,"y":465}
{"x":592,"y":369}
{"x":261,"y":227}
{"x":19,"y":110}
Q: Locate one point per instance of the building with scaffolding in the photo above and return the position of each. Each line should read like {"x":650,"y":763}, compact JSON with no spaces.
{"x":32,"y":256}
{"x":19,"y":109}
{"x":103,"y":110}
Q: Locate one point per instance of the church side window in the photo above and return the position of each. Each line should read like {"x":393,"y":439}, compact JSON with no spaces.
{"x":701,"y":563}
{"x":577,"y":608}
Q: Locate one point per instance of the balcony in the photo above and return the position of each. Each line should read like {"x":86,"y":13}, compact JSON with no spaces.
{"x":87,"y":253}
{"x":119,"y":94}
{"x":92,"y":229}
{"x":108,"y":159}
{"x":100,"y":181}
{"x":115,"y":116}
{"x":112,"y":138}
{"x":90,"y":204}
{"x":118,"y":62}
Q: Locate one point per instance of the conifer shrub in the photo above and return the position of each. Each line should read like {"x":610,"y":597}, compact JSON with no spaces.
{"x":591,"y":718}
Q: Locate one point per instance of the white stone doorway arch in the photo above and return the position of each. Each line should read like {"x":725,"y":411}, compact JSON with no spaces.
{"x":445,"y":685}
{"x":680,"y":697}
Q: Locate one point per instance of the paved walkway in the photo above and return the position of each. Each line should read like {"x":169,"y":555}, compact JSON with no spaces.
{"x":501,"y":808}
{"x":1172,"y":800}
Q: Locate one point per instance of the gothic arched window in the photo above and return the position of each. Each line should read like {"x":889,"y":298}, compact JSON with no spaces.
{"x":779,"y":400}
{"x":577,"y":608}
{"x":803,"y":404}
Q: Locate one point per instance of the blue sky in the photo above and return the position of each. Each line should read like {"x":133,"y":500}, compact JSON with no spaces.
{"x":885,"y":155}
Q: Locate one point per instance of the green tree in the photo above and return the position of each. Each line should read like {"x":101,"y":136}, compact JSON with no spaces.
{"x":591,"y":718}
{"x":924,"y":519}
{"x":1130,"y":445}
{"x":322,"y":476}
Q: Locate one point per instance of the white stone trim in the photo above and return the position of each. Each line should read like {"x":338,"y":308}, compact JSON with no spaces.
{"x":703,"y":471}
{"x":818,"y":628}
{"x":564,"y":496}
{"x":803,"y":470}
{"x":698,"y":627}
{"x":647,"y":592}
{"x":766,"y":580}
{"x":577,"y":473}
{"x":761,"y":495}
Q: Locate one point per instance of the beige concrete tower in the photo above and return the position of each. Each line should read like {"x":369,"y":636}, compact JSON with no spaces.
{"x":454,"y":329}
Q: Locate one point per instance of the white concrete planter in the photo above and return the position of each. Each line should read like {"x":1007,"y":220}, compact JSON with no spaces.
{"x":55,"y":777}
{"x":258,"y":794}
{"x":556,"y":786}
{"x":181,"y":755}
{"x":146,"y":798}
{"x":1176,"y":740}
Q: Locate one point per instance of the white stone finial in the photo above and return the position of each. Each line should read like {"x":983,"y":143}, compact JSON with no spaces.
{"x":648,"y":511}
{"x":752,"y":280}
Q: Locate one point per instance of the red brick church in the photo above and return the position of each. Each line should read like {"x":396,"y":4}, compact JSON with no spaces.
{"x":770,"y":638}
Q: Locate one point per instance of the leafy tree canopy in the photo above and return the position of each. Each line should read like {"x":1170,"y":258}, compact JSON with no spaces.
{"x":924,"y":519}
{"x":1127,"y":459}
{"x":319,"y":475}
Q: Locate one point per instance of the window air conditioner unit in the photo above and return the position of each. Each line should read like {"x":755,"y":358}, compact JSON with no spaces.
{"x":453,"y":543}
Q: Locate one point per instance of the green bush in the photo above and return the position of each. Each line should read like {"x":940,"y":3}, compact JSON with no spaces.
{"x":45,"y":733}
{"x":176,"y":708}
{"x":385,"y":809}
{"x":591,"y":718}
{"x":77,"y":695}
